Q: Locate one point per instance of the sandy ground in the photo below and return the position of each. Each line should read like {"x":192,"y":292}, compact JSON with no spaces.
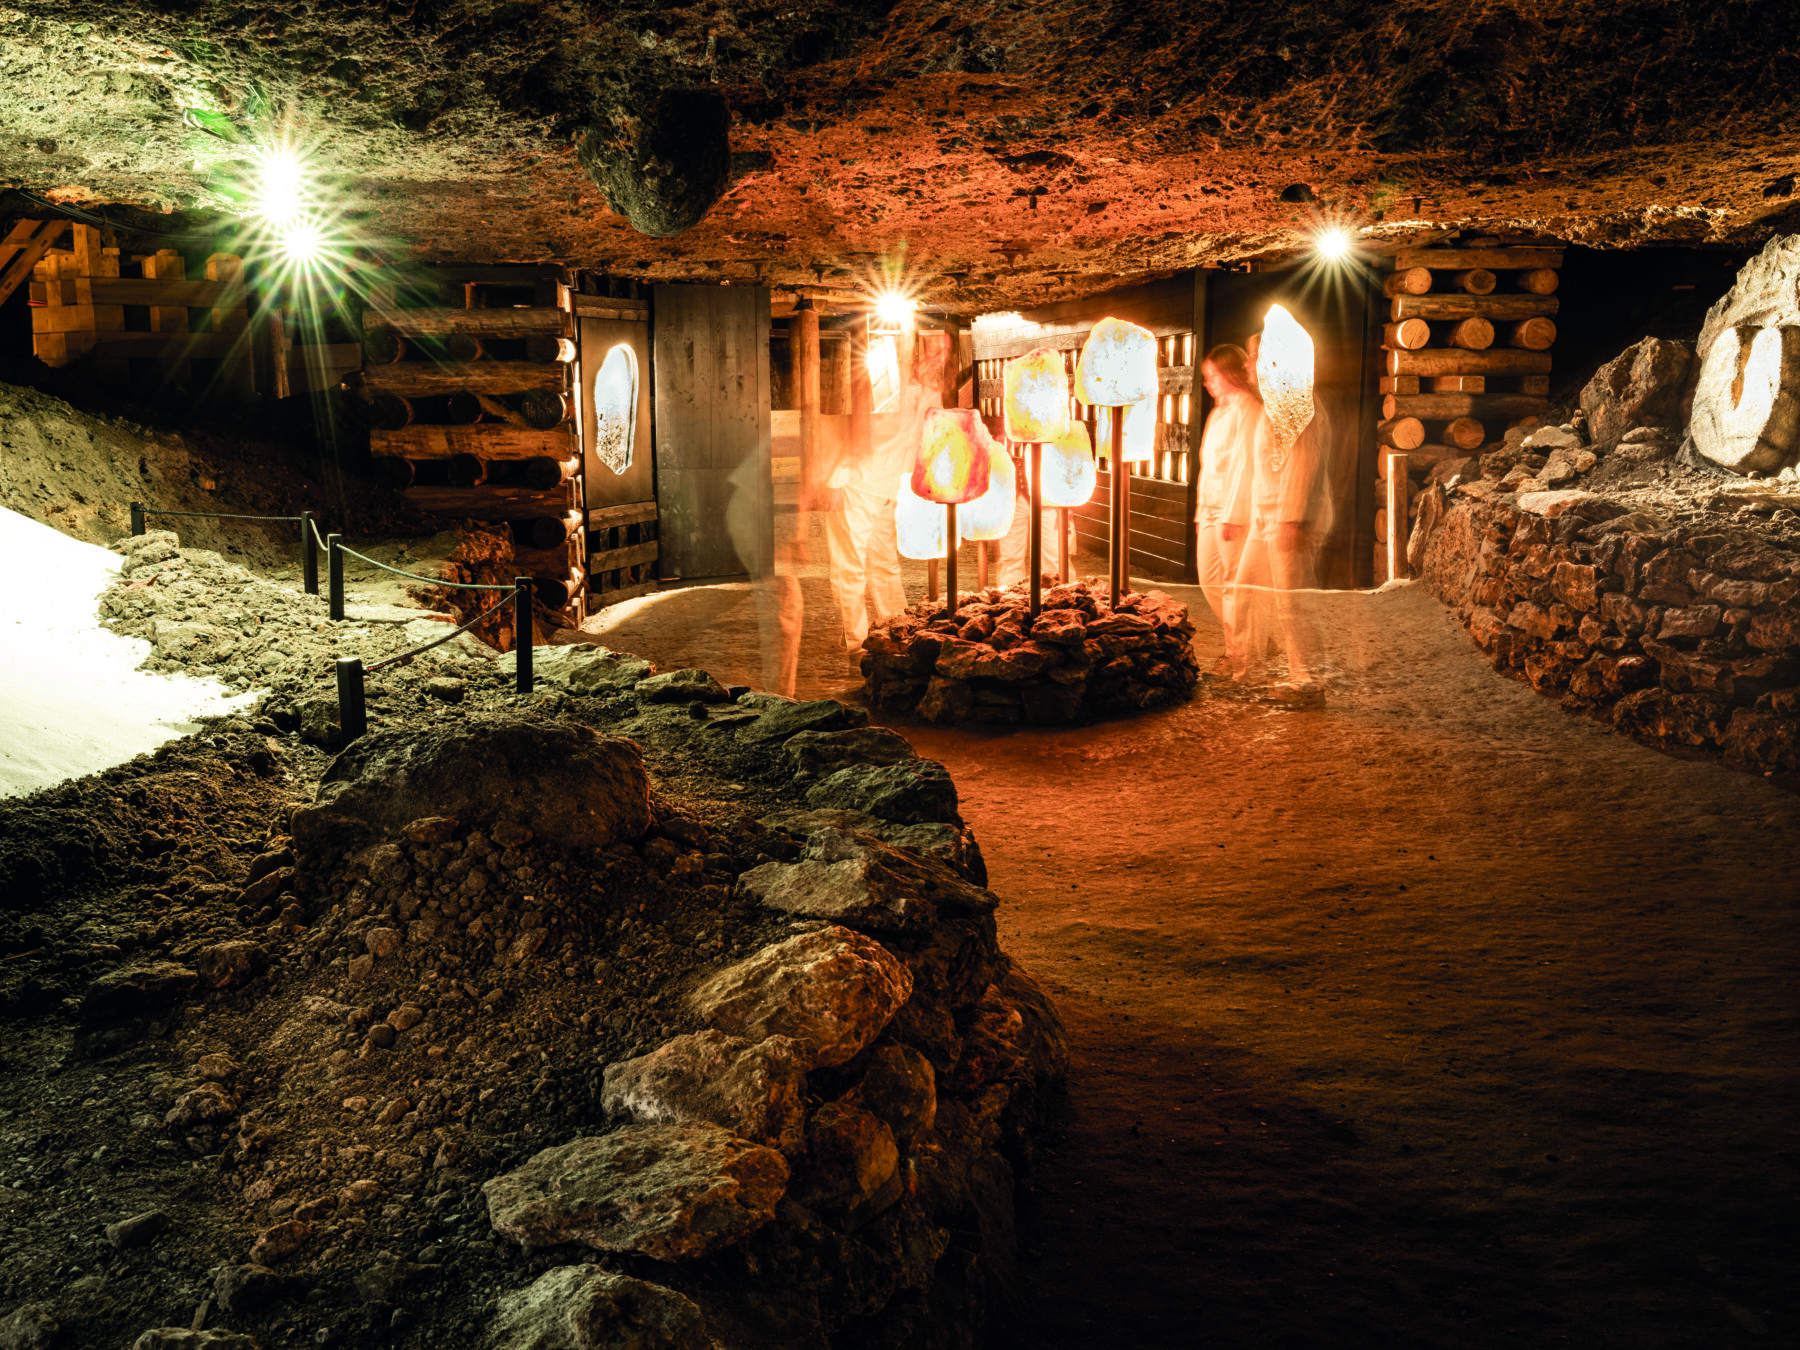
{"x":72,"y":699}
{"x":1434,"y":1017}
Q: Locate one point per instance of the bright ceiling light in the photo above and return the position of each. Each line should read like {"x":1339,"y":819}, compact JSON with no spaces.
{"x":301,"y":243}
{"x":1333,"y":244}
{"x":893,"y":309}
{"x":280,"y":188}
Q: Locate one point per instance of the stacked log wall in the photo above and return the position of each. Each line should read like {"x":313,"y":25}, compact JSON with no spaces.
{"x":1467,"y":346}
{"x":460,"y":392}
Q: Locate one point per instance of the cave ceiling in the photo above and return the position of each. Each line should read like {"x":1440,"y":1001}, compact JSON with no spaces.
{"x":1009,"y":153}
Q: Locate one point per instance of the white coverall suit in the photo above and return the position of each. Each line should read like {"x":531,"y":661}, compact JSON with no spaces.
{"x":1224,"y":499}
{"x":860,"y":539}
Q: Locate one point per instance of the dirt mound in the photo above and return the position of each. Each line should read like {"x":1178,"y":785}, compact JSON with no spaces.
{"x":309,"y":1061}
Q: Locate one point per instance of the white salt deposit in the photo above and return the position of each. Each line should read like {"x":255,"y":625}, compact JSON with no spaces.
{"x":72,"y":700}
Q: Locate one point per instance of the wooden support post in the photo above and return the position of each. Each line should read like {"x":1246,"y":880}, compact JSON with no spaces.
{"x":168,"y":265}
{"x":931,"y":579}
{"x":1035,"y":561}
{"x":805,"y":343}
{"x":1065,"y":551}
{"x":1396,"y":516}
{"x":237,"y":372}
{"x":1119,"y":537}
{"x":950,"y":542}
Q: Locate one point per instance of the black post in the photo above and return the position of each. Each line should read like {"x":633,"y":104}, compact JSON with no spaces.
{"x":353,"y":713}
{"x":334,"y":557}
{"x":1119,"y":543}
{"x":137,"y":517}
{"x":309,"y":554}
{"x":1037,"y":527}
{"x":522,"y":631}
{"x":950,"y":556}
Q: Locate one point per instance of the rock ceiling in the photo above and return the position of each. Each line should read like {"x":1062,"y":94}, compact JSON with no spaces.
{"x":1009,"y":152}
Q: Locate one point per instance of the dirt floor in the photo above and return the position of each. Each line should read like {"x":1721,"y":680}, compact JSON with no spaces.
{"x":1433,"y":1017}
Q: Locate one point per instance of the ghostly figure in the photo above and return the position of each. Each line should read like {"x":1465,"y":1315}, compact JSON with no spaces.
{"x":1286,"y":518}
{"x":1222,"y":516}
{"x":859,"y":531}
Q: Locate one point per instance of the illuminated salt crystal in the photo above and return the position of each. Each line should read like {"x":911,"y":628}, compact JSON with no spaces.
{"x":1140,"y":431}
{"x":955,"y":456}
{"x":1284,"y":373}
{"x":990,"y":516}
{"x":918,"y":524}
{"x":1070,"y":472}
{"x":1118,"y":365}
{"x":1037,"y":396}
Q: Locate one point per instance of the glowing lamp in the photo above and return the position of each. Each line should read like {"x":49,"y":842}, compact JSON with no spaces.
{"x":956,"y":456}
{"x":1333,"y":244}
{"x":990,"y":516}
{"x":1037,"y":397}
{"x":1118,"y":365}
{"x":1284,"y":373}
{"x":918,"y":524}
{"x":1140,"y":430}
{"x":1070,"y":472}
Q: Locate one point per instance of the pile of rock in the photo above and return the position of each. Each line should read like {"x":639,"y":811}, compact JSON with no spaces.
{"x":1655,"y":596}
{"x":990,"y":661}
{"x":816,"y":1056}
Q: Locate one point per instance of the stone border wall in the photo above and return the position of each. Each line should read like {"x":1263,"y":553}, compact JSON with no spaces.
{"x":1686,"y":638}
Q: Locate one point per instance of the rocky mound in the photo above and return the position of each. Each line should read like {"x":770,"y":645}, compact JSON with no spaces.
{"x":990,"y":661}
{"x":1598,"y":563}
{"x":700,"y":1034}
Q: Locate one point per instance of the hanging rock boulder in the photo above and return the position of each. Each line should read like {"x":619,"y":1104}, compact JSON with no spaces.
{"x":663,"y":164}
{"x":562,"y":781}
{"x":667,"y":1191}
{"x":590,"y":1308}
{"x":833,"y":987}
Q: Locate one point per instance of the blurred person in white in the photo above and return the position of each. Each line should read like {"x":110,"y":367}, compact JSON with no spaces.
{"x":1222,"y":516}
{"x":1288,"y":519}
{"x":859,"y":529}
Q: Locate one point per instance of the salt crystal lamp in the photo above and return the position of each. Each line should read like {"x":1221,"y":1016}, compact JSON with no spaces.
{"x":1140,"y":430}
{"x":1037,"y":396}
{"x":919,"y":524}
{"x":1070,"y":473}
{"x":1284,"y":373}
{"x":1118,"y":365}
{"x":990,"y":516}
{"x":955,"y":457}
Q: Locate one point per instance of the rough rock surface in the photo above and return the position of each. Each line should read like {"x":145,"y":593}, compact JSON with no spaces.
{"x":852,"y":1161}
{"x":757,"y":1091}
{"x":834,"y":988}
{"x":29,"y":1327}
{"x":663,"y":163}
{"x":572,"y":784}
{"x":1643,"y":386}
{"x":858,"y":881}
{"x":668,"y":1191}
{"x":991,"y":662}
{"x":1678,"y":626}
{"x":592,"y":1308}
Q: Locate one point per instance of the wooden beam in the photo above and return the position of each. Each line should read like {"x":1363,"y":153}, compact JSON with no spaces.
{"x":31,"y":250}
{"x":488,"y":503}
{"x":483,"y":439}
{"x":1454,"y":361}
{"x":629,"y":556}
{"x":632,"y":513}
{"x":1471,"y":306}
{"x":410,"y":379}
{"x":606,"y":307}
{"x":480,"y":322}
{"x":1493,"y":259}
{"x":1444,"y":407}
{"x":176,"y":346}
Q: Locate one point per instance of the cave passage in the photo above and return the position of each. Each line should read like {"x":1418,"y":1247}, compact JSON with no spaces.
{"x":1434,"y":1017}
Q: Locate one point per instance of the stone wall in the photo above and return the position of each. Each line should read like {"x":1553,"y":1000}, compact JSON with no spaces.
{"x":1685,"y":638}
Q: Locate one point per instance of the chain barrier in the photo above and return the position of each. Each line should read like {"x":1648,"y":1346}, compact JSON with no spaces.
{"x":353,"y":715}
